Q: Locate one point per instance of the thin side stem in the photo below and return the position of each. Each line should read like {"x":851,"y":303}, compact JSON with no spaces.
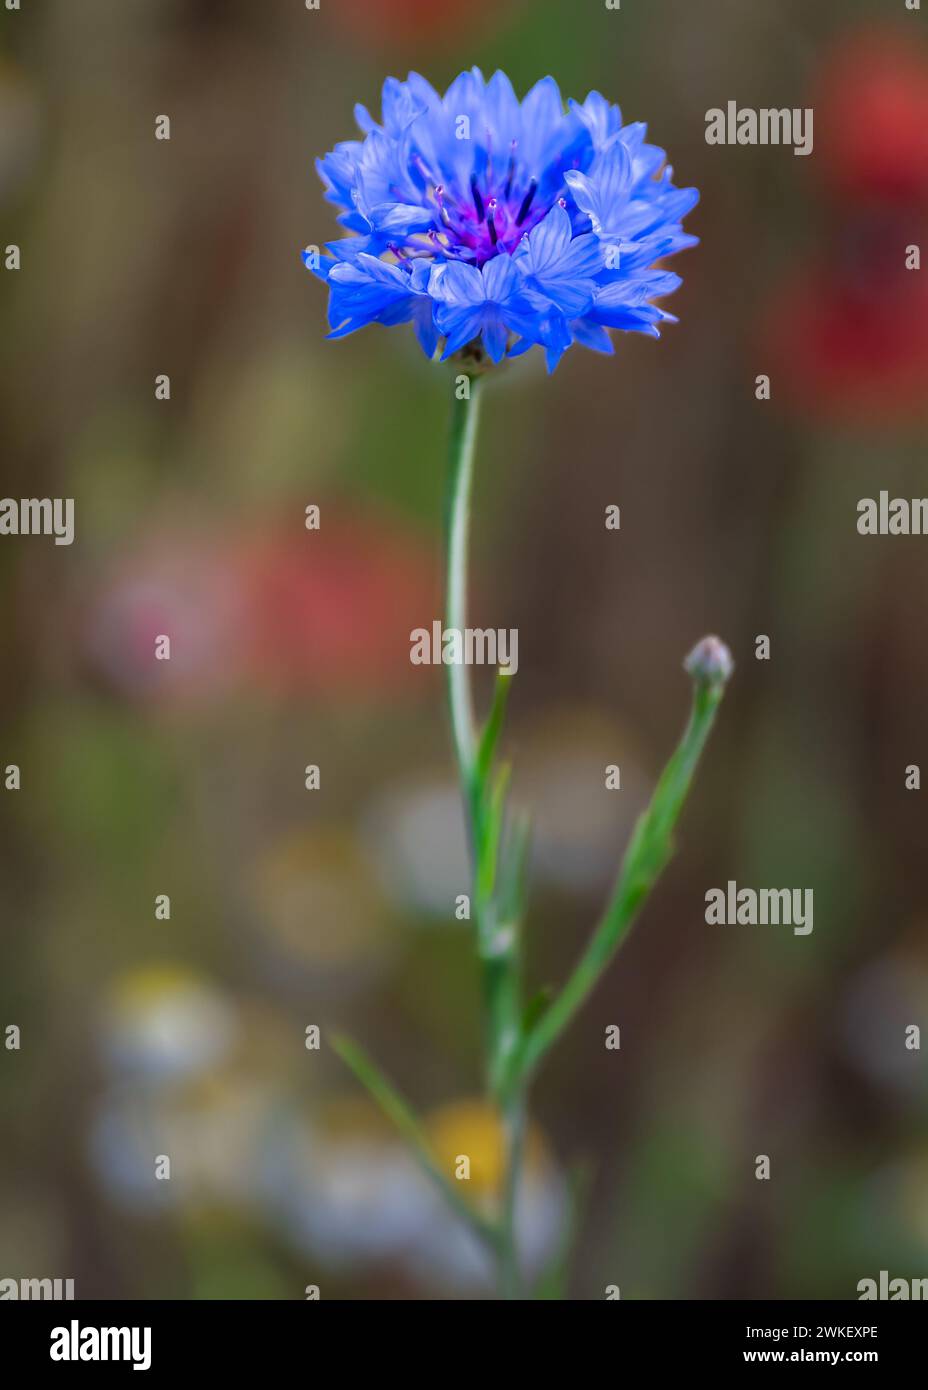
{"x":395,"y":1108}
{"x":647,"y":855}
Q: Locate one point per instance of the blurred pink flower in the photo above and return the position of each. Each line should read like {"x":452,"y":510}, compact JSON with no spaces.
{"x":273,"y":610}
{"x":179,"y":584}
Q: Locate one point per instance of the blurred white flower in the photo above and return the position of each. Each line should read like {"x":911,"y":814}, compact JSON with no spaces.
{"x":415,"y":835}
{"x":161,"y":1023}
{"x":346,"y":1189}
{"x":349,"y":1192}
{"x":217,"y":1133}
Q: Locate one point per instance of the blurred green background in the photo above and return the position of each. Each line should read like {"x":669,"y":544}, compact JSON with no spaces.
{"x":291,"y":908}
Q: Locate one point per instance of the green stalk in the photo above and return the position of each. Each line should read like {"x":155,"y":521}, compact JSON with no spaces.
{"x":484,"y":805}
{"x":484,"y":800}
{"x":510,"y":1270}
{"x":457,"y":525}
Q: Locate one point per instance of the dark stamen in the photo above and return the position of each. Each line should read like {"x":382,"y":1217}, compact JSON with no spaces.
{"x":527,"y":202}
{"x":478,"y":201}
{"x":491,"y":224}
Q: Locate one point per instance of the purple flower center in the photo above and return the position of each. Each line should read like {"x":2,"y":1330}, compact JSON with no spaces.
{"x":490,"y":217}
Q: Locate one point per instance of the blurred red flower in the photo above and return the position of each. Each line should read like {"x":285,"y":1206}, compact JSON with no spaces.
{"x":849,"y":331}
{"x":407,"y":20}
{"x":332,"y":610}
{"x":853,"y":343}
{"x":872,"y":118}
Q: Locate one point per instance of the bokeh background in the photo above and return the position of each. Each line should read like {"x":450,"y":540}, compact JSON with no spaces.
{"x":292,"y":908}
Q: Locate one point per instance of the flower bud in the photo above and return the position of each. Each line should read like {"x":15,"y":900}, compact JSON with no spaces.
{"x":710,"y":662}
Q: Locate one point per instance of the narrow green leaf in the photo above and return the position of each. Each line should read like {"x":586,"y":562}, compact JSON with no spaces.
{"x":513,"y":876}
{"x":493,"y":727}
{"x":404,"y":1118}
{"x":492,"y":833}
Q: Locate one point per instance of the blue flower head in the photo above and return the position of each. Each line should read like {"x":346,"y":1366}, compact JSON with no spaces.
{"x":494,"y":225}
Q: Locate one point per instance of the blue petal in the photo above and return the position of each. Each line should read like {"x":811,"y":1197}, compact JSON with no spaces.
{"x":603,"y":193}
{"x":495,"y":339}
{"x":460,"y":326}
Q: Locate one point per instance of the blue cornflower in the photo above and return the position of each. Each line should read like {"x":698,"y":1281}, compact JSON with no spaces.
{"x":494,"y":226}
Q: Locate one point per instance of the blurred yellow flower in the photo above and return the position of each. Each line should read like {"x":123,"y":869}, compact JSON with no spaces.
{"x":473,"y":1129}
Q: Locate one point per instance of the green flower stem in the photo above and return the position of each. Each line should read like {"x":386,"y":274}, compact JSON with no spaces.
{"x":457,"y":525}
{"x":647,"y":855}
{"x":484,"y":799}
{"x":514,"y":1123}
{"x":484,"y":803}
